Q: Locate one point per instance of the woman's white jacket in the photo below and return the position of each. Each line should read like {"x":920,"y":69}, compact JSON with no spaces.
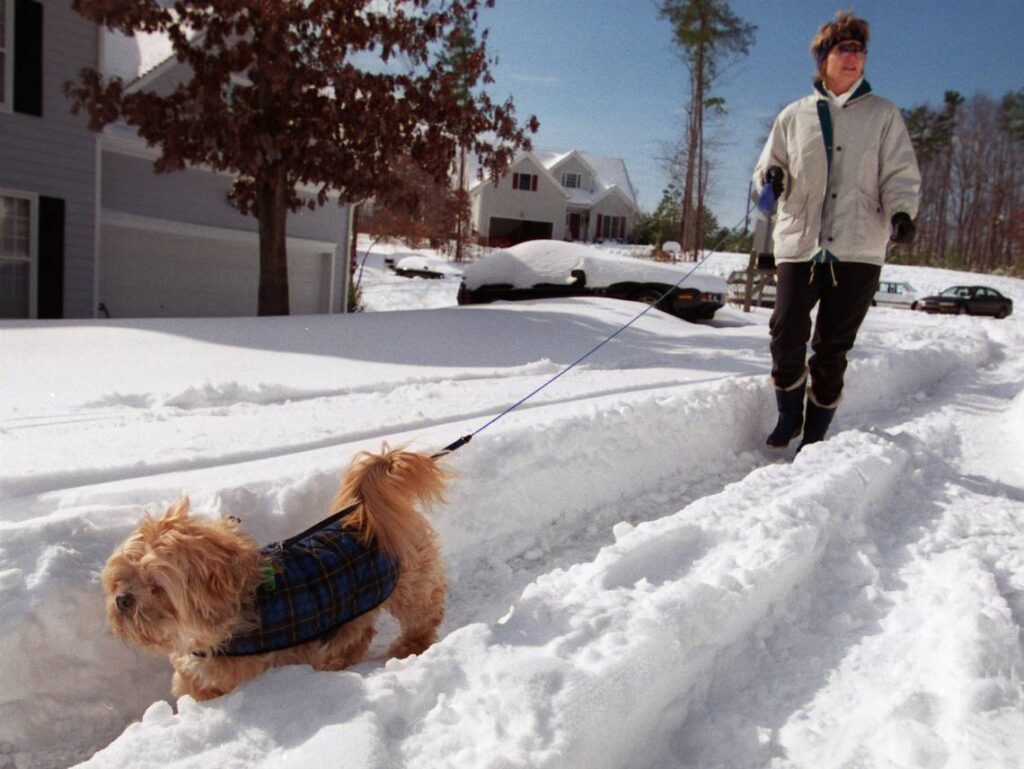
{"x":840,"y":209}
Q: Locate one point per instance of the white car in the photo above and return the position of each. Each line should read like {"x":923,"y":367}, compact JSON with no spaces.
{"x":762,"y":288}
{"x":893,"y":293}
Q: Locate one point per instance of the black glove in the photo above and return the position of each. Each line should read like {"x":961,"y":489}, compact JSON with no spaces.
{"x":903,"y":228}
{"x":775,"y":176}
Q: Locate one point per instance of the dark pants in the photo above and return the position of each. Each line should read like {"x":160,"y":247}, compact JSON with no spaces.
{"x":841,"y":311}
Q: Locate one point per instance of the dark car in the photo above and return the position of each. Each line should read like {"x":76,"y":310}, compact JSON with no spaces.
{"x":968,"y":300}
{"x":423,"y":267}
{"x":543,"y":269}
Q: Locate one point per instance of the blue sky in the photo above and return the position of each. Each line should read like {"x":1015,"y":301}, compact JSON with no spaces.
{"x":603,"y":75}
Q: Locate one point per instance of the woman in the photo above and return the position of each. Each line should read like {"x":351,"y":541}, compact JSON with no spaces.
{"x":842,"y":168}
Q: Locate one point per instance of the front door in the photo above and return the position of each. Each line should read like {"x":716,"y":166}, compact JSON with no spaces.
{"x":574,"y":226}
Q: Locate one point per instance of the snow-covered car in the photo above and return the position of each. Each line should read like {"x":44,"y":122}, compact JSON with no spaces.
{"x":762,"y":290}
{"x":416,"y":266}
{"x":895,"y":293}
{"x":539,"y":269}
{"x":969,"y":300}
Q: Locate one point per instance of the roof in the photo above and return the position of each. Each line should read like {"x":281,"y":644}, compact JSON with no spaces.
{"x":131,"y":57}
{"x":610,"y":174}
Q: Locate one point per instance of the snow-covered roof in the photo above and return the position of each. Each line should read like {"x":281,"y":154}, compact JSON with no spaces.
{"x":609,"y":173}
{"x":131,"y":57}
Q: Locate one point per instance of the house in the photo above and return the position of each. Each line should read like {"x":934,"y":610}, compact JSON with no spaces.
{"x":556,"y":195}
{"x":88,"y":229}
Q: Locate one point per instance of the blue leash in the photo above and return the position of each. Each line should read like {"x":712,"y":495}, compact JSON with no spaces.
{"x":467,"y":438}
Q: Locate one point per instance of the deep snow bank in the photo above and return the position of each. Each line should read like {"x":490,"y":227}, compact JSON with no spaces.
{"x":585,"y":666}
{"x":665,"y":410}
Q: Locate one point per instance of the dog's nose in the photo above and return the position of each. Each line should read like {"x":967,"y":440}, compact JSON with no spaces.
{"x":125,"y":602}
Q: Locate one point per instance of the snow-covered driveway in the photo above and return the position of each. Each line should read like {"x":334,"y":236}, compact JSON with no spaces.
{"x":635,"y":581}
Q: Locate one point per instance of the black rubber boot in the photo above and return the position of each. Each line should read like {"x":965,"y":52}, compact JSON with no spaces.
{"x":816,"y":423}
{"x":791,"y":416}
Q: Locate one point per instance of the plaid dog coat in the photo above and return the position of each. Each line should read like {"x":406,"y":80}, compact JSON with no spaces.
{"x":317,"y":581}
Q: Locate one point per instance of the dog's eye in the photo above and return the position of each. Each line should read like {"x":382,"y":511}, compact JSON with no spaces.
{"x":155,"y":590}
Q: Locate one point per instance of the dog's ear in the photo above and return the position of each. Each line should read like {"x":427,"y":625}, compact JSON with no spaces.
{"x":211,"y":571}
{"x":178,"y":511}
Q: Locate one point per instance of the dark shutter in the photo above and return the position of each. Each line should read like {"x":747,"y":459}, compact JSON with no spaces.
{"x":28,"y":57}
{"x":51,"y":258}
{"x":515,"y":181}
{"x":533,"y":183}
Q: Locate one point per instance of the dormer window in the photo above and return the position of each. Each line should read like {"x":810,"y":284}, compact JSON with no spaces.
{"x":572,"y":181}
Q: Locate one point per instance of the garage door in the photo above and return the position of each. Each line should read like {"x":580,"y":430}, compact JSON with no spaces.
{"x":508,"y":232}
{"x":152,"y":275}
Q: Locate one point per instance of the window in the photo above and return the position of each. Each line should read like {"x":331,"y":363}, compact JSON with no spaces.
{"x":17,"y":256}
{"x":21,"y":56}
{"x":611,"y":227}
{"x":572,"y":181}
{"x":525,"y":182}
{"x":6,"y":66}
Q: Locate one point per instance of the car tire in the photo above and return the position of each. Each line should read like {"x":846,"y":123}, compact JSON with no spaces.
{"x":913,"y":305}
{"x":648,"y":296}
{"x":1001,"y":313}
{"x":961,"y":310}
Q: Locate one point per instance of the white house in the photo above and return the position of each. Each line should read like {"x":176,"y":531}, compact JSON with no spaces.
{"x":88,"y":229}
{"x":557,"y":195}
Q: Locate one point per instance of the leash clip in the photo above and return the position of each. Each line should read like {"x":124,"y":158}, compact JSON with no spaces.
{"x":452,"y":447}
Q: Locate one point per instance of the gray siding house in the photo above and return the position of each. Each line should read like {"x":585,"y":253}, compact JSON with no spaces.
{"x":88,"y":229}
{"x":555,"y":195}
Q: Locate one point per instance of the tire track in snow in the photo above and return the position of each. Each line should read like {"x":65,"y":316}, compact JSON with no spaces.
{"x":18,"y":484}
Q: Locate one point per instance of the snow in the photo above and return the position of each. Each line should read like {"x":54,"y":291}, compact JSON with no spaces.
{"x":429,"y":264}
{"x":553,"y":261}
{"x":130,"y":56}
{"x":635,"y":581}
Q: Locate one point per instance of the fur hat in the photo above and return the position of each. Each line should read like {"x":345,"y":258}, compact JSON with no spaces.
{"x":845,"y":27}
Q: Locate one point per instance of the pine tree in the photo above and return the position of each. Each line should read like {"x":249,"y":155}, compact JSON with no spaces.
{"x":458,"y":61}
{"x":708,"y":33}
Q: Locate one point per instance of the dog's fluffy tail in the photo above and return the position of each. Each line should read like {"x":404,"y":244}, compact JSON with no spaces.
{"x":386,"y":488}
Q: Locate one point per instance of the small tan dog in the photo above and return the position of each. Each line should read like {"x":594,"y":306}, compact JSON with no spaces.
{"x":225,"y":610}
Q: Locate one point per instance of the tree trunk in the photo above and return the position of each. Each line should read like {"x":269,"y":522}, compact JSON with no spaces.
{"x":272,"y":210}
{"x":690,"y":214}
{"x":686,"y":208}
{"x":702,"y":181}
{"x":460,"y":234}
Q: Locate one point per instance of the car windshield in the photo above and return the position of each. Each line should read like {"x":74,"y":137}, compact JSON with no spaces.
{"x":961,"y":291}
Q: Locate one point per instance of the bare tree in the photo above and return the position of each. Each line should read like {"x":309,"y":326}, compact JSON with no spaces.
{"x":971,"y":154}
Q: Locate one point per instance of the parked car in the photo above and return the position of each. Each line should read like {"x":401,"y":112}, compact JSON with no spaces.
{"x":539,"y":269}
{"x":762,"y":292}
{"x":416,"y":266}
{"x":969,"y":300}
{"x":893,"y":293}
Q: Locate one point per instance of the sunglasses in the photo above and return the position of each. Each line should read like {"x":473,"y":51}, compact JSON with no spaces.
{"x":855,"y":48}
